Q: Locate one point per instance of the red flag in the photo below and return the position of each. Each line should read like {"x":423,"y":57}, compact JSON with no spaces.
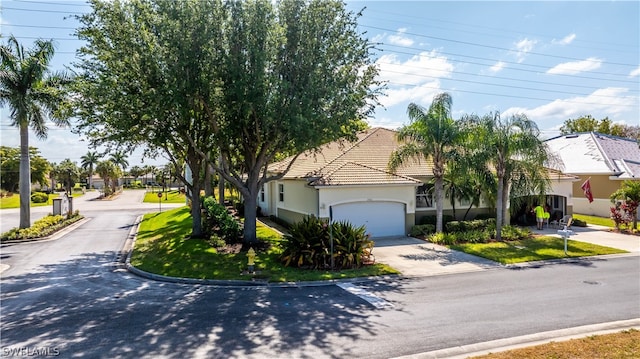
{"x":586,"y":188}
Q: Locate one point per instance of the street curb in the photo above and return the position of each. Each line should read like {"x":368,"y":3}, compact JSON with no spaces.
{"x":127,"y":251}
{"x":51,"y":237}
{"x":501,"y":345}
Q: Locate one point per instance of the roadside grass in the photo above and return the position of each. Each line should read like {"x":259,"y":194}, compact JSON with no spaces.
{"x":533,"y":249}
{"x":163,"y":247}
{"x":621,"y":345}
{"x":172,"y":196}
{"x":600,"y":221}
{"x":14,"y":201}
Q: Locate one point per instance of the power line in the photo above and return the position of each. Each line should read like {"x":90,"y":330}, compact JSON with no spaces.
{"x":66,"y":3}
{"x":490,"y":46}
{"x":41,"y":10}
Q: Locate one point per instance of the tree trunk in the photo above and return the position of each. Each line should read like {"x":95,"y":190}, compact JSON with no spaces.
{"x":250,"y":205}
{"x":438,"y":192}
{"x":208,"y":179}
{"x":25,"y":178}
{"x":506,"y":217}
{"x":220,"y":183}
{"x":499,"y":212}
{"x":195,"y":164}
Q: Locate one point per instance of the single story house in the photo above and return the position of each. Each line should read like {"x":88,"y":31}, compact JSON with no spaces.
{"x":604,"y":160}
{"x":350,"y":181}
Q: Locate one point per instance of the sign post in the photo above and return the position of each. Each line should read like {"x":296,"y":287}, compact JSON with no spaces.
{"x":160,"y":201}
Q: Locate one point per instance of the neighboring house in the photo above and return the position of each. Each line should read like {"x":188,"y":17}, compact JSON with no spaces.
{"x":350,"y":181}
{"x":603,"y":159}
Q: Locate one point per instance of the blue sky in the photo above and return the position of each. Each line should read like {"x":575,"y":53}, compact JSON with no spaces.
{"x":549,"y":60}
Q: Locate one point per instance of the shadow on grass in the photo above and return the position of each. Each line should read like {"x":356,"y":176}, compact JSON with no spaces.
{"x":82,"y":308}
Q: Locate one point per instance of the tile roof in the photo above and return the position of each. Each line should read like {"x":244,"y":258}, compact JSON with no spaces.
{"x":595,"y":153}
{"x":361,"y":162}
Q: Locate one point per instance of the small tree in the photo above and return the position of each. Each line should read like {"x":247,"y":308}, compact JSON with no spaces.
{"x":629,"y":192}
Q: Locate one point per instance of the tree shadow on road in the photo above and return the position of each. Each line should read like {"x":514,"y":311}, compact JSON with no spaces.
{"x":87,"y":307}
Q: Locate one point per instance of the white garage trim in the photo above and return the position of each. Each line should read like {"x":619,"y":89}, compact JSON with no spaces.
{"x":380,"y":218}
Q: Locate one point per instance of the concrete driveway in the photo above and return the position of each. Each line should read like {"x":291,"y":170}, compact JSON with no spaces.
{"x":416,"y":258}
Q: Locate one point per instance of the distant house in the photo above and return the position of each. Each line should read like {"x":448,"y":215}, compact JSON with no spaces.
{"x":603,"y":159}
{"x":350,"y":181}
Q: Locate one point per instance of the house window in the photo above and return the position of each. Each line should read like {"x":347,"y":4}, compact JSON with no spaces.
{"x":281,"y":192}
{"x":262,"y":194}
{"x":424,"y":196}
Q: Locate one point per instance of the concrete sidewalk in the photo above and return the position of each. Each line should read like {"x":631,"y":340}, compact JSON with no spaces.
{"x":417,"y":258}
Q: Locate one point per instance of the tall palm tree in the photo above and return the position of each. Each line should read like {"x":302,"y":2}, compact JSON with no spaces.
{"x":88,"y":162}
{"x":120,"y":159}
{"x":33,"y":94}
{"x":431,"y":134}
{"x":513,"y":150}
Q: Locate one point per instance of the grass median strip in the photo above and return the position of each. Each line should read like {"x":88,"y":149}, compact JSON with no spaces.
{"x":533,"y":249}
{"x":163,"y":247}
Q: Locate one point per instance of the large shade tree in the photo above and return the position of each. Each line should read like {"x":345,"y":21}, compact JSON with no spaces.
{"x":248,"y":80}
{"x":10,"y":167}
{"x":512,"y":149}
{"x":32,"y":94}
{"x":433,"y":135}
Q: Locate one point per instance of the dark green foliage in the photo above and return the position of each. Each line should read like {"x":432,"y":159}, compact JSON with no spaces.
{"x":422,"y":230}
{"x":432,"y":219}
{"x":308,"y":242}
{"x":485,"y":216}
{"x":39,"y":197}
{"x":475,"y":225}
{"x":219,"y":222}
{"x":513,"y":233}
{"x":578,"y":223}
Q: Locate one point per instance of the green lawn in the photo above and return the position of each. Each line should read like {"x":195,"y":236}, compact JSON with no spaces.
{"x":14,"y":201}
{"x":167,"y":197}
{"x":163,"y":247}
{"x":600,"y":221}
{"x":533,"y":249}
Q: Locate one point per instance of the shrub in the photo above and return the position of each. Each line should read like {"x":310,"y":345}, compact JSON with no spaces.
{"x":307,"y":245}
{"x":218,"y":221}
{"x":442,"y":238}
{"x":464,"y":226}
{"x":216,"y":242}
{"x":473,"y":236}
{"x":422,"y":230}
{"x":432,"y":219}
{"x":514,"y":233}
{"x":42,"y":227}
{"x":39,"y":197}
{"x":578,"y":223}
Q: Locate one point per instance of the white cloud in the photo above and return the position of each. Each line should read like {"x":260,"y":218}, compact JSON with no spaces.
{"x":497,"y":67}
{"x":421,"y":94}
{"x":523,"y":47}
{"x":565,"y":40}
{"x":399,"y":38}
{"x":416,"y":70}
{"x":635,"y":73}
{"x":575,"y":67}
{"x":603,"y":102}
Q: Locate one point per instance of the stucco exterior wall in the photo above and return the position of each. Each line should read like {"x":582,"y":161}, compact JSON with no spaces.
{"x":329,"y":196}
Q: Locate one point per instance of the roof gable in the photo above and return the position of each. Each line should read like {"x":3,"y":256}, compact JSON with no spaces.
{"x":596,"y":153}
{"x":361,"y":162}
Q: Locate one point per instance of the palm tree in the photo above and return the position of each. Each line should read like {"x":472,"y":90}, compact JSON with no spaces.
{"x":431,"y":134}
{"x":109,"y":172}
{"x":512,"y":149}
{"x":33,"y":95}
{"x":630,"y":193}
{"x":88,"y":162}
{"x":120,"y":159}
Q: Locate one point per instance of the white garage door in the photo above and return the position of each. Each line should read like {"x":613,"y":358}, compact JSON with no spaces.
{"x":381,"y":219}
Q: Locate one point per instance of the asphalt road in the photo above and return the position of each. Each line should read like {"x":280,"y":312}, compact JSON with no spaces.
{"x":71,"y":297}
